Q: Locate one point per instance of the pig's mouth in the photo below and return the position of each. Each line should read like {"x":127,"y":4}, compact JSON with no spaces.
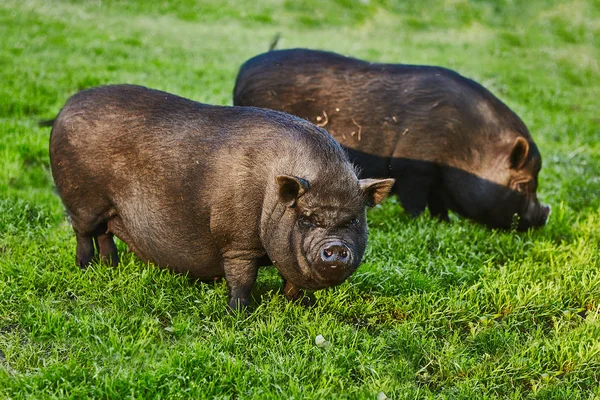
{"x":535,"y":216}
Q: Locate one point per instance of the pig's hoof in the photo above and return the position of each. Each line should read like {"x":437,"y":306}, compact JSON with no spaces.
{"x":84,"y":264}
{"x":238,"y":305}
{"x":112,"y":261}
{"x":304,"y":299}
{"x":307,"y":301}
{"x":295,"y":294}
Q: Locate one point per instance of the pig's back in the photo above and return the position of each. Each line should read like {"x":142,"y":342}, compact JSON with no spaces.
{"x":375,"y":110}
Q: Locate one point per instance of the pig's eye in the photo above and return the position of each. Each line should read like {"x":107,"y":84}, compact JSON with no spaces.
{"x":305,"y":222}
{"x":522,"y":187}
{"x":355,"y":222}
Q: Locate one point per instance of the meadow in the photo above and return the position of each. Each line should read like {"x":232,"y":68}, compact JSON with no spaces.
{"x":437,"y":310}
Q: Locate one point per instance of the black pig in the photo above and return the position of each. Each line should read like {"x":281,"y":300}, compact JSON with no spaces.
{"x":209,"y":190}
{"x":448,"y":142}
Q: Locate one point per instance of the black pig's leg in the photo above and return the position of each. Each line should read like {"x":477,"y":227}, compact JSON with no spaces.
{"x":414,"y":181}
{"x":240,"y":274}
{"x":412,"y":197}
{"x":437,"y":207}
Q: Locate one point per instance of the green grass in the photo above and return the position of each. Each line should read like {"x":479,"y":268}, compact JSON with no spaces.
{"x":437,"y":310}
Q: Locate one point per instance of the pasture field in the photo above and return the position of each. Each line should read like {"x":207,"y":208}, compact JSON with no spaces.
{"x":436,"y":311}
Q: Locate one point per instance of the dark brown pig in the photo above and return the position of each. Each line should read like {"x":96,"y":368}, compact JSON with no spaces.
{"x":209,"y":190}
{"x":448,"y":142}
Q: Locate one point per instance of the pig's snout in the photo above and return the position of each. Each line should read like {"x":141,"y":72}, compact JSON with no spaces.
{"x":545,"y":213}
{"x":536,"y":215}
{"x":335,"y":262}
{"x":335,"y":254}
{"x":539,"y":214}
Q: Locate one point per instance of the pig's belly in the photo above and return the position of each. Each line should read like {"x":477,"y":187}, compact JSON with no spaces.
{"x":181,"y":247}
{"x":205,"y":264}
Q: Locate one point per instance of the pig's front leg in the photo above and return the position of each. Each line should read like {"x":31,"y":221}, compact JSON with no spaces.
{"x":437,"y":207}
{"x":294,"y":293}
{"x":240,"y":274}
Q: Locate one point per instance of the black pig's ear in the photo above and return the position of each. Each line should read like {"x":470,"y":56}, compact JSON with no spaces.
{"x":375,"y":190}
{"x":291,"y":188}
{"x":519,"y":153}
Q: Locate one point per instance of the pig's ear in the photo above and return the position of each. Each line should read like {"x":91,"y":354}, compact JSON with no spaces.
{"x":375,"y":190}
{"x":519,"y":153}
{"x":291,"y":188}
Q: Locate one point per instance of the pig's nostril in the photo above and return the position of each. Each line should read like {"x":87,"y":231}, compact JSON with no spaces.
{"x":335,"y":252}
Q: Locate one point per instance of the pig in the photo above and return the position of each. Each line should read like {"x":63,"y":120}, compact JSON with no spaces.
{"x":449,"y":143}
{"x":209,"y":190}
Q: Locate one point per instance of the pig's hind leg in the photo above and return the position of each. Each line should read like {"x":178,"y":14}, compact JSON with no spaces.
{"x":90,"y":229}
{"x":85,"y":249}
{"x":107,"y":249}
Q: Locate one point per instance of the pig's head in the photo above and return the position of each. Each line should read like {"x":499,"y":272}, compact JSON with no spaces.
{"x":316,"y":231}
{"x":505,"y":186}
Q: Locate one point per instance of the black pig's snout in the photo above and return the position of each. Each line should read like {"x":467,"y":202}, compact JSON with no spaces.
{"x":545,"y":213}
{"x":536,"y":216}
{"x":542,"y":217}
{"x":336,"y":254}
